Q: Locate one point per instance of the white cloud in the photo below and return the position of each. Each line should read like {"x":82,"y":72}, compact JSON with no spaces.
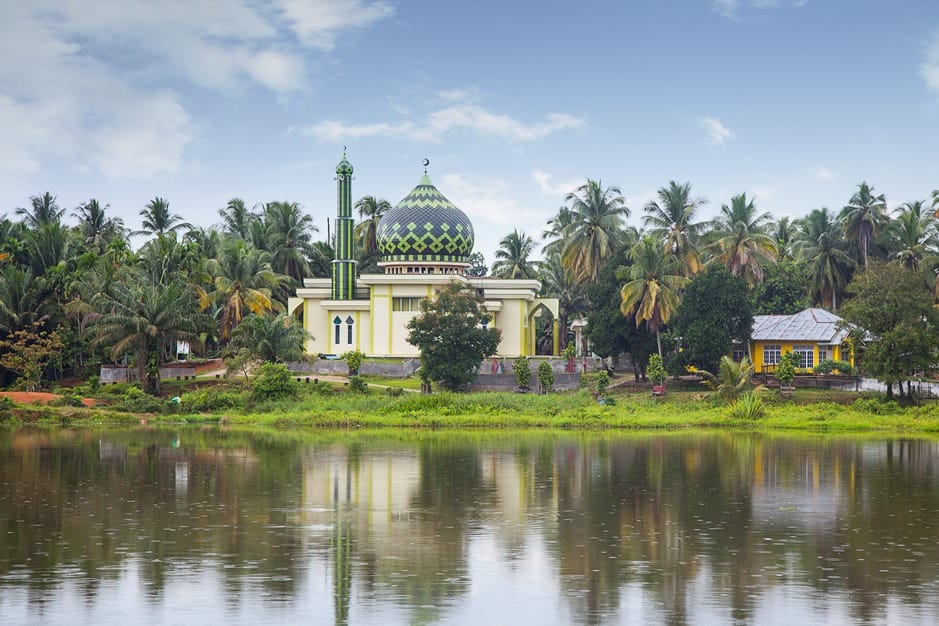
{"x":929,"y":69}
{"x":488,"y":200}
{"x":718,"y":134}
{"x":560,"y":189}
{"x":823,"y":173}
{"x":438,"y":123}
{"x":100,"y":87}
{"x":731,"y":8}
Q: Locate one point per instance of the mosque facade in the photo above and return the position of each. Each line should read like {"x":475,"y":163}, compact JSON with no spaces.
{"x":424,"y":242}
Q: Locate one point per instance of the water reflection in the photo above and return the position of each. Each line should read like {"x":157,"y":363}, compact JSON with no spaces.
{"x":206,"y":526}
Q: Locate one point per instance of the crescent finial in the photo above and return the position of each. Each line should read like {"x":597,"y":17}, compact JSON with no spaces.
{"x":426,"y":162}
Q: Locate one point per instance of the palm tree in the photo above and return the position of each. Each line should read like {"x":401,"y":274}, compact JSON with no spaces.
{"x":822,"y":246}
{"x":145,"y":319}
{"x":912,"y":234}
{"x":157,"y":219}
{"x":371,"y":210}
{"x":288,"y":237}
{"x":595,"y":232}
{"x":741,"y":251}
{"x":237,"y":219}
{"x":24,"y":299}
{"x":671,"y":221}
{"x":556,"y":282}
{"x":243,"y":282}
{"x":784,"y":234}
{"x":554,"y":234}
{"x":742,"y":210}
{"x":863,"y":217}
{"x":512,"y":257}
{"x":44,"y":210}
{"x":96,"y":228}
{"x":271,"y":339}
{"x":652,"y":290}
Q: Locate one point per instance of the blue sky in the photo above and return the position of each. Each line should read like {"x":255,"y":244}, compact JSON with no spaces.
{"x":514,"y":103}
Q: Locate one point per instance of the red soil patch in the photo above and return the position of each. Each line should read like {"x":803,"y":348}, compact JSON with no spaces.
{"x":31,"y":397}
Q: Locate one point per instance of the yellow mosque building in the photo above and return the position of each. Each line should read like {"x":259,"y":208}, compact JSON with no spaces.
{"x":425,"y":242}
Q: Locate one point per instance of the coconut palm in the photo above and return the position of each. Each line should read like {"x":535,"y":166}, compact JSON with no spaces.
{"x":371,"y":210}
{"x":242,"y":283}
{"x":912,"y":234}
{"x":96,"y":228}
{"x":554,"y":234}
{"x":821,"y":244}
{"x":512,"y":257}
{"x":277,"y":339}
{"x":595,"y":231}
{"x":157,"y":219}
{"x":146,"y":319}
{"x":783,"y":233}
{"x":742,"y":209}
{"x":288,"y":237}
{"x":237,"y":219}
{"x":556,"y":282}
{"x":671,"y":220}
{"x":863,"y":217}
{"x":743,"y":252}
{"x":651,"y":292}
{"x":24,"y":299}
{"x":43,"y":210}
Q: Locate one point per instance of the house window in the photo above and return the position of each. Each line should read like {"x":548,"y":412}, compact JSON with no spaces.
{"x":771,"y":354}
{"x":337,"y":323}
{"x":805,"y":356}
{"x":824,"y":353}
{"x":738,"y":354}
{"x":406,"y":304}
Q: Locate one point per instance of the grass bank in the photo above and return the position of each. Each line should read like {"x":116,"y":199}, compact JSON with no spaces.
{"x":326,"y":407}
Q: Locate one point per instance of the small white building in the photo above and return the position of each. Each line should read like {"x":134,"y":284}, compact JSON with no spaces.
{"x":425,"y":242}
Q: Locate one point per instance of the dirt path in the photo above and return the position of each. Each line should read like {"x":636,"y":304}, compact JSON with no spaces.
{"x":34,"y":397}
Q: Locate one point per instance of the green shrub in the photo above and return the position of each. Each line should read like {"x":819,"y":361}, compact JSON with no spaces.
{"x":395,"y":392}
{"x":829,"y":366}
{"x":353,"y":361}
{"x":68,"y":399}
{"x":655,"y":370}
{"x":274,"y":381}
{"x":211,"y":399}
{"x":358,"y":384}
{"x":876,"y":406}
{"x":522,"y":370}
{"x":603,"y":381}
{"x":786,"y":369}
{"x":747,"y":407}
{"x":94,"y":383}
{"x":545,"y":377}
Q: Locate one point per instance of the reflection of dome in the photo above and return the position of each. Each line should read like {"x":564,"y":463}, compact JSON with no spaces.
{"x":425,"y":229}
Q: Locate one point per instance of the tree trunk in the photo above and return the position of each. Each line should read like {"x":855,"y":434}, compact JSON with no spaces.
{"x":658,"y":341}
{"x":890,"y":391}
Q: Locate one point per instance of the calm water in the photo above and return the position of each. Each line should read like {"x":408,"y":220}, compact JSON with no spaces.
{"x":207,"y":527}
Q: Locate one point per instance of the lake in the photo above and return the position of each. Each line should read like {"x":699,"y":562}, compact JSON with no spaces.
{"x":208,"y":526}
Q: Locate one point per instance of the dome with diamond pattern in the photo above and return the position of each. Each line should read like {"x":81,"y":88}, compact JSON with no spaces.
{"x":425,"y":228}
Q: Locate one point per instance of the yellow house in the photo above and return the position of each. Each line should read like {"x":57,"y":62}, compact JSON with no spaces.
{"x":812,"y":335}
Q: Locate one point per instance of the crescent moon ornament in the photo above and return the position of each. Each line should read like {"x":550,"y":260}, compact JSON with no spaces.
{"x":426,"y":162}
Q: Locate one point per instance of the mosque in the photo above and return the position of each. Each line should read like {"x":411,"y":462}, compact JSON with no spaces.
{"x":424,"y":242}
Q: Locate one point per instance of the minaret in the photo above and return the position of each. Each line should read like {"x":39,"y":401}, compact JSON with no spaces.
{"x":343,"y":283}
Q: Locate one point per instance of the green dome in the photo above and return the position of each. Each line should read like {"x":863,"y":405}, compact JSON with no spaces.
{"x":344,"y":167}
{"x":425,"y":227}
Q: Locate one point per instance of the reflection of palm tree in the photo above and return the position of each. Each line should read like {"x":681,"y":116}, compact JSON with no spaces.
{"x":595,"y":231}
{"x":863,"y":217}
{"x":670,"y":219}
{"x":512,"y":257}
{"x":651,"y":293}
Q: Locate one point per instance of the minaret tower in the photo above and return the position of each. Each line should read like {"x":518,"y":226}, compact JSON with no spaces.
{"x":343,"y":282}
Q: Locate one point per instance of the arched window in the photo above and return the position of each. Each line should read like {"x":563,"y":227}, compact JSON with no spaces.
{"x":337,"y":322}
{"x":349,"y":322}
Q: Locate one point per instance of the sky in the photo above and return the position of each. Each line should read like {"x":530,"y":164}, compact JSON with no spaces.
{"x":515,"y":104}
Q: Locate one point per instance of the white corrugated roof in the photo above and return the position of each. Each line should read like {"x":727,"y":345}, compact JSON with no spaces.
{"x":817,"y":325}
